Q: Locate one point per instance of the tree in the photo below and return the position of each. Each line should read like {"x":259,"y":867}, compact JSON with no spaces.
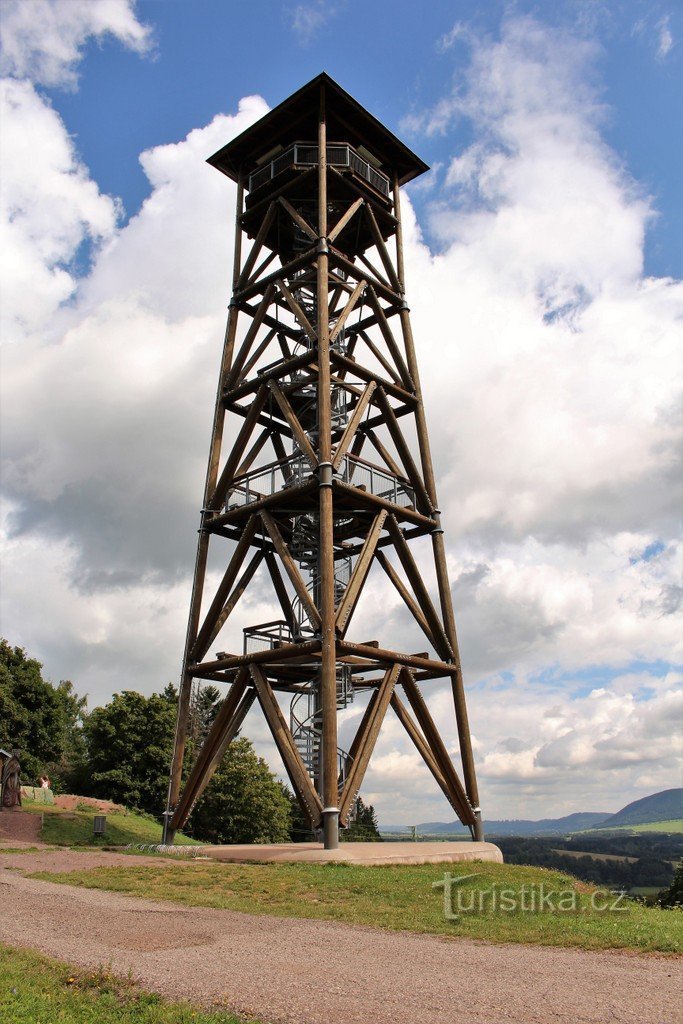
{"x":364,"y":828}
{"x":42,"y":721}
{"x":130,"y":741}
{"x":243,"y":803}
{"x":672,"y":897}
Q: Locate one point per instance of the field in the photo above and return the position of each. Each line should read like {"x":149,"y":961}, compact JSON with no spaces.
{"x":75,"y":828}
{"x":675,"y":826}
{"x":404,"y":898}
{"x":37,"y":990}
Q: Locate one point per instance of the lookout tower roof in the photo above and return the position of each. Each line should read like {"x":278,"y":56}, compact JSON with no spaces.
{"x":296,"y":118}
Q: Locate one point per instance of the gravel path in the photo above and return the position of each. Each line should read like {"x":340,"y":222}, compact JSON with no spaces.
{"x":290,"y":971}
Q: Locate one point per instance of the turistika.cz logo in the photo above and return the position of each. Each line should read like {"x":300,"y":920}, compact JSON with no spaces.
{"x":527,"y":899}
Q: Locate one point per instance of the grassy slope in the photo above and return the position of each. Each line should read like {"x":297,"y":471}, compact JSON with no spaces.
{"x":666,"y":827}
{"x":37,"y":990}
{"x":394,"y":897}
{"x":75,"y":828}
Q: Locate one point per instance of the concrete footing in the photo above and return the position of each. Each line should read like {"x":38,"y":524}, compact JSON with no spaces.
{"x":357,"y":853}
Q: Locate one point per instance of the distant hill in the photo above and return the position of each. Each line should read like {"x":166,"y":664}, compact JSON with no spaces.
{"x":664,"y":806}
{"x":513,"y":827}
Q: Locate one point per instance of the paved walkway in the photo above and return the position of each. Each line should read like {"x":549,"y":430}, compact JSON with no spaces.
{"x":290,"y":971}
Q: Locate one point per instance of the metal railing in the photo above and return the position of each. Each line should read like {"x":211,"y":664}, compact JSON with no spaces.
{"x":367,"y":477}
{"x":267,"y":636}
{"x":305,"y":154}
{"x":277,"y":476}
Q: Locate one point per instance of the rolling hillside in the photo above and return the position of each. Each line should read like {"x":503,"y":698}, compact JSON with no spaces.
{"x":664,"y":806}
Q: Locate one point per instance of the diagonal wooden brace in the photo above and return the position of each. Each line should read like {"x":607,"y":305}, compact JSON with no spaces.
{"x":290,"y":416}
{"x":353,"y":424}
{"x":225,"y":726}
{"x":365,"y":741}
{"x":291,"y":569}
{"x":360,"y":571}
{"x":202,"y":640}
{"x":438,"y":748}
{"x":296,"y":769}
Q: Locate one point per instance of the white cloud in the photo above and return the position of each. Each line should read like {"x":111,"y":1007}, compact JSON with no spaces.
{"x":550,"y":372}
{"x":666,"y":39}
{"x":48,"y":206}
{"x":307,"y":19}
{"x":44,"y":39}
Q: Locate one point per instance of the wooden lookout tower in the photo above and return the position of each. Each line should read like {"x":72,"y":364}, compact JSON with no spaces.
{"x":329,"y":474}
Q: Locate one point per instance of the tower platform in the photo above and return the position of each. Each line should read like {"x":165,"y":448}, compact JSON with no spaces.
{"x":367,"y":854}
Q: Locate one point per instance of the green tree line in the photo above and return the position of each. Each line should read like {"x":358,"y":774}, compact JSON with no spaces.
{"x":122,"y":750}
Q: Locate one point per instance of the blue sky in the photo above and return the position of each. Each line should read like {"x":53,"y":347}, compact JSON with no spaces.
{"x":543,"y":263}
{"x":208,"y":54}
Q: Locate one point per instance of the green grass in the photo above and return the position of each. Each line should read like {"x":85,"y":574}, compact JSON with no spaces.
{"x":673,"y":826}
{"x":37,"y":990}
{"x":75,"y":828}
{"x":396,"y":897}
{"x":657,"y":826}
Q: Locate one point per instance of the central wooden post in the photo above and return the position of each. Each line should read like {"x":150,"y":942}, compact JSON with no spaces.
{"x":329,"y":665}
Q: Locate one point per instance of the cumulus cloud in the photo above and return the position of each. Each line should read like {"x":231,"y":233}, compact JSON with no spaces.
{"x":550,"y":371}
{"x":49,"y":205}
{"x":307,"y":19}
{"x":44,"y":40}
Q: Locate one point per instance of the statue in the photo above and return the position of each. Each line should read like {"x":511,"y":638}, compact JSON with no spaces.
{"x":10,"y":783}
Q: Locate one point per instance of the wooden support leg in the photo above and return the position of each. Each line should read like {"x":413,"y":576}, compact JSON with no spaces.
{"x":225,"y":727}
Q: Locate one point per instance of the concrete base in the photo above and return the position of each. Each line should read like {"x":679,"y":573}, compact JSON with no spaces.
{"x":357,"y":853}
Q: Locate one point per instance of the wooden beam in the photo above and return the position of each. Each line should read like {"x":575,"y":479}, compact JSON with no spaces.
{"x":380,"y":357}
{"x":297,"y":310}
{"x":359,"y":574}
{"x":235,"y":515}
{"x":438,"y":748}
{"x":230,"y":468}
{"x":258,"y":352}
{"x":368,"y":732}
{"x":367,"y":498}
{"x":344,"y":219}
{"x":250,"y":261}
{"x":348,"y":309}
{"x":235,"y":373}
{"x":437,"y":668}
{"x":404,"y":453}
{"x":423,"y":750}
{"x":200,"y":644}
{"x":390,"y":341}
{"x":226,"y":724}
{"x":404,"y":553}
{"x":353,"y":424}
{"x":385,"y":454}
{"x":406,"y":595}
{"x":354,"y":367}
{"x":382,"y":249}
{"x":254,"y":451}
{"x":291,"y":568}
{"x":357,"y":272}
{"x":296,"y":769}
{"x":279,"y":371}
{"x":230,"y":604}
{"x":298,"y":432}
{"x":311,"y":648}
{"x":281,"y":591}
{"x":257,"y":286}
{"x":298,"y":219}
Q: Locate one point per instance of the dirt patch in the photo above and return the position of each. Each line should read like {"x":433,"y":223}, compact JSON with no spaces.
{"x":69,"y":802}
